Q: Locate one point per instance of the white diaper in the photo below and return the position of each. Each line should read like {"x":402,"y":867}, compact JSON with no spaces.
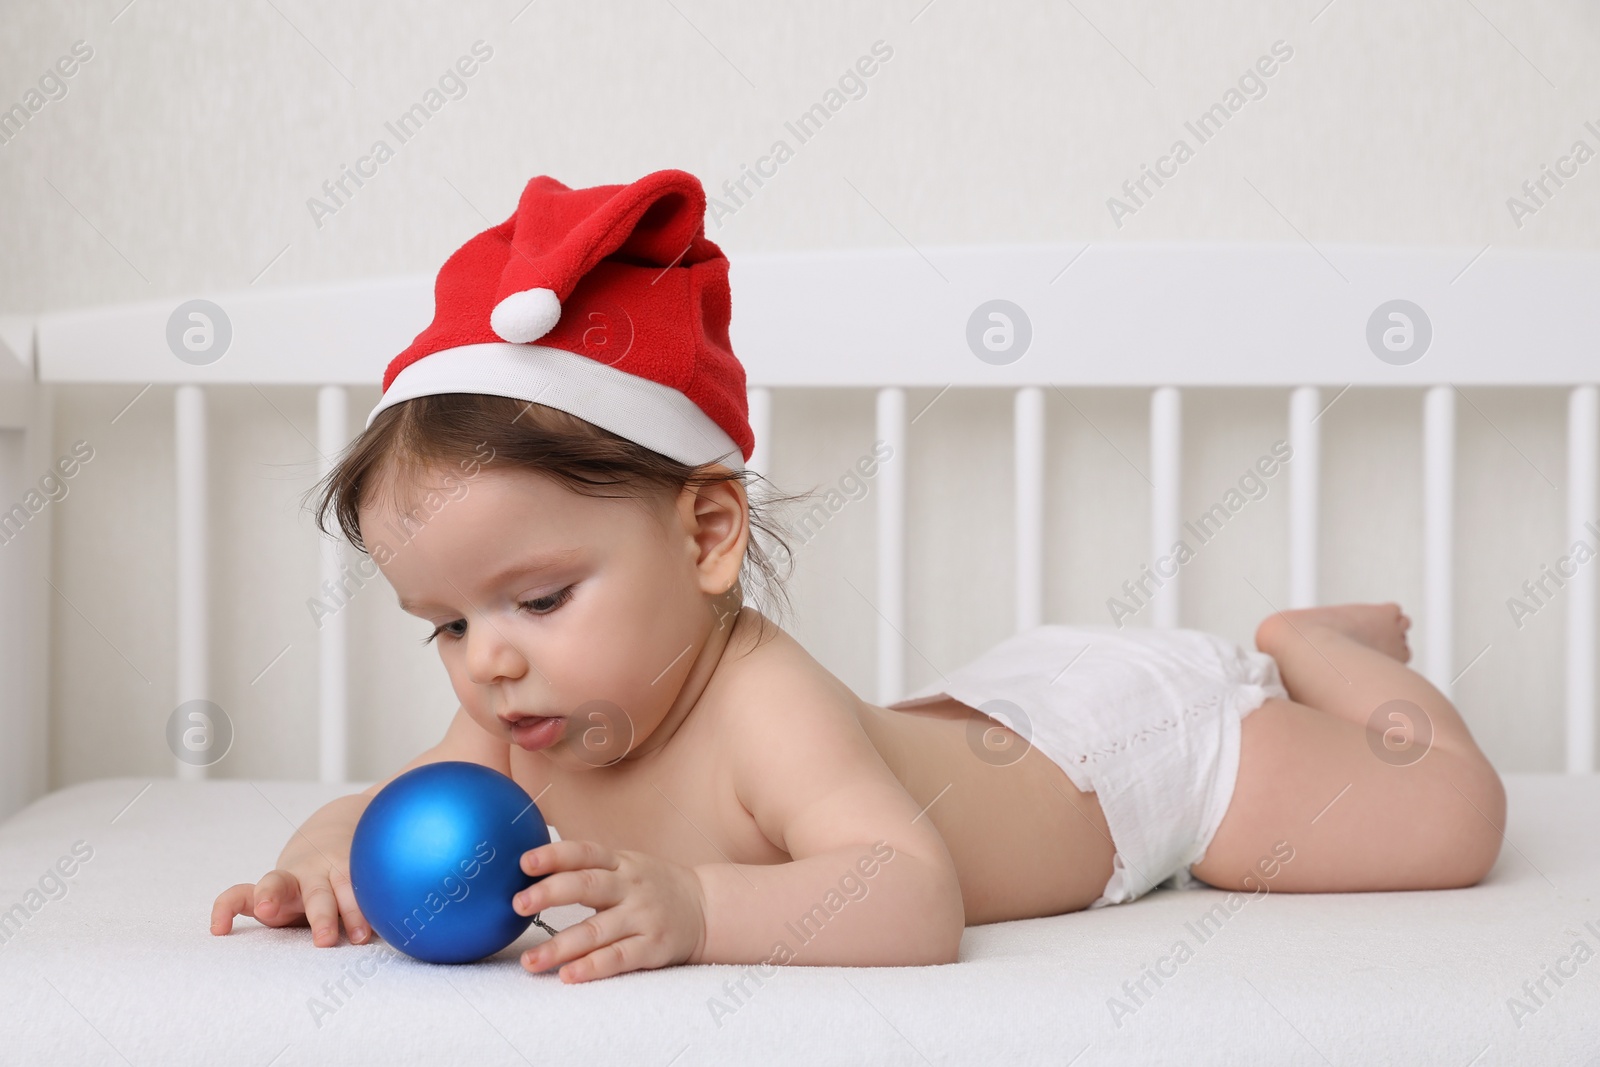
{"x":1146,"y":719}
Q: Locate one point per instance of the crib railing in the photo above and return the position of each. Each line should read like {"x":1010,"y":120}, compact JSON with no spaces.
{"x":1169,"y":317}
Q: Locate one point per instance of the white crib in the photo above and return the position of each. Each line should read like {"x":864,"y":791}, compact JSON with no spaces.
{"x":1167,"y":317}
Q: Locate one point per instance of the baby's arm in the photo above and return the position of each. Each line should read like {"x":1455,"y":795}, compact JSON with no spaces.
{"x":871,"y":882}
{"x":310,"y":885}
{"x":868,"y":882}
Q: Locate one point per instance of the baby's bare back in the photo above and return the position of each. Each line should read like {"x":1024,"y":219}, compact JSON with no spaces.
{"x":1025,"y":841}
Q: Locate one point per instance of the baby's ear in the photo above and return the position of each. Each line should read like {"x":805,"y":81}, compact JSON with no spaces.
{"x":720,"y":524}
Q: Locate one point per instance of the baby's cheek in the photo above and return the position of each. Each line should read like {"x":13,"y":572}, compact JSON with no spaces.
{"x":612,"y":638}
{"x":624,"y":660}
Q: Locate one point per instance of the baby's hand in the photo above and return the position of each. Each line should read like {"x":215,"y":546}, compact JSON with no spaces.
{"x":649,"y":912}
{"x":316,"y":898}
{"x":310,"y":885}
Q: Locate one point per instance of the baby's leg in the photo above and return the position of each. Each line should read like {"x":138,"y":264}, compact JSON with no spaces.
{"x":1368,"y":774}
{"x":1350,"y":661}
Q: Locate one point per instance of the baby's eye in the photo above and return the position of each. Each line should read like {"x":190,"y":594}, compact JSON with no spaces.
{"x":541,"y":606}
{"x":546,"y":604}
{"x":448,"y":629}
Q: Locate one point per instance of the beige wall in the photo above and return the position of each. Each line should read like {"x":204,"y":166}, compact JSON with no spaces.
{"x":183,"y":154}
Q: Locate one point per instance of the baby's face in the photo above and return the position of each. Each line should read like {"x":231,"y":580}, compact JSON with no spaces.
{"x":547,"y":602}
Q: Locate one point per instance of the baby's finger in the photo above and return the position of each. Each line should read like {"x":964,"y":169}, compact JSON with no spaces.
{"x":355,"y":924}
{"x":235,"y":900}
{"x":277,"y":899}
{"x":322,"y":913}
{"x":576,"y":940}
{"x":625,"y":954}
{"x":567,"y":856}
{"x":596,"y":888}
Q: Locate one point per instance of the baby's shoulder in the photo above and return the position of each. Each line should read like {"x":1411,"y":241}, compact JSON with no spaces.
{"x":769,"y":681}
{"x":792,"y":739}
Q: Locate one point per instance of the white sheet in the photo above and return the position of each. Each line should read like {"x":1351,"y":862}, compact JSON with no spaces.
{"x":122,"y":969}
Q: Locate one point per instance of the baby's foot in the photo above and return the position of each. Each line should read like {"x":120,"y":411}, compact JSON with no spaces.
{"x":1379,"y":626}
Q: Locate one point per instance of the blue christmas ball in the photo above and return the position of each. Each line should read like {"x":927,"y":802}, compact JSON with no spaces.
{"x":436,"y":859}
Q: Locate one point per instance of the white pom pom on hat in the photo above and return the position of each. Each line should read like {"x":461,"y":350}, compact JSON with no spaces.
{"x":526,"y":316}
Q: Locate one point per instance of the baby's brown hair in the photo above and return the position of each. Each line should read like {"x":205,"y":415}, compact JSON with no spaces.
{"x":450,"y":431}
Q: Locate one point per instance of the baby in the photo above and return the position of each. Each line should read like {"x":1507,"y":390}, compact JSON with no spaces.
{"x":563,"y":450}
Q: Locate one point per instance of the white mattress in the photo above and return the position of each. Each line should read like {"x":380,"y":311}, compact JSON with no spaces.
{"x":122,"y":969}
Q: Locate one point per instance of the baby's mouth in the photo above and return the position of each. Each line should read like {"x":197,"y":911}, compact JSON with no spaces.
{"x":533,"y":732}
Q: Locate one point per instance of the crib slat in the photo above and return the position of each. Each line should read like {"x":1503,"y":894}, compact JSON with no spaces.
{"x":27,"y":446}
{"x":332,"y":637}
{"x":891,"y":429}
{"x":193,"y":626}
{"x":1305,"y":470}
{"x":25,"y":757}
{"x":1166,"y":494}
{"x":1028,"y":414}
{"x":1583,"y":494}
{"x":1438,"y":556}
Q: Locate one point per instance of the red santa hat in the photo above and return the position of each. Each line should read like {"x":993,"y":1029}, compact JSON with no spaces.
{"x":608,"y":303}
